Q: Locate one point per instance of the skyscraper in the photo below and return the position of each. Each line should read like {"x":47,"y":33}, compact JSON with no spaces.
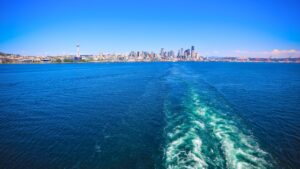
{"x":187,"y":54}
{"x":181,"y":52}
{"x":162,"y":52}
{"x":192,"y":51}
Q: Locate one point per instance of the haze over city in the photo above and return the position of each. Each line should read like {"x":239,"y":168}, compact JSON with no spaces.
{"x":230,"y":28}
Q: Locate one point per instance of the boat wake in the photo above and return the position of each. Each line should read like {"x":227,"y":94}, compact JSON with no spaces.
{"x":203,"y":131}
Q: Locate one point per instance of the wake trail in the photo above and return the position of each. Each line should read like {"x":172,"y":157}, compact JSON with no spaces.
{"x":202,"y":130}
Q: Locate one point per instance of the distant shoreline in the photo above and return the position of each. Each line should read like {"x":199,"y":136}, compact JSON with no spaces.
{"x":41,"y":63}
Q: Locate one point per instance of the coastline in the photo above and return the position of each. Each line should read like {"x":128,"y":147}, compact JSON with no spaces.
{"x":105,"y":62}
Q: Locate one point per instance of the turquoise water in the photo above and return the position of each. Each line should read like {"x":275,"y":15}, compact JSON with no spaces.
{"x":150,"y":115}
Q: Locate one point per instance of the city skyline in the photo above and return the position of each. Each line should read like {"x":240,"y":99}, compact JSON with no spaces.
{"x":164,"y":55}
{"x":231,"y":28}
{"x":275,"y":53}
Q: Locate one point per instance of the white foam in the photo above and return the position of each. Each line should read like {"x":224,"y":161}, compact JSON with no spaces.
{"x":176,"y":152}
{"x":184,"y":148}
{"x":200,"y":124}
{"x":234,"y":142}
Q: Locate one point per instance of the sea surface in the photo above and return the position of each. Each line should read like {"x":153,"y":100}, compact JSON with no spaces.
{"x":150,"y":116}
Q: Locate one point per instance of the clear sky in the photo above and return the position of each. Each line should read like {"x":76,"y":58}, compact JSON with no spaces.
{"x":215,"y":27}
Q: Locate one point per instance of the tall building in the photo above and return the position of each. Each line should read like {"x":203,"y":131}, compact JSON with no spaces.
{"x":170,"y":54}
{"x":187,"y":54}
{"x":162,"y":53}
{"x":193,"y":48}
{"x":193,"y":51}
{"x":78,"y":50}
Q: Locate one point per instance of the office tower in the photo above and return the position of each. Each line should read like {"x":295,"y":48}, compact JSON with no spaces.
{"x":187,"y":54}
{"x":171,"y":53}
{"x":193,"y":48}
{"x":193,"y":51}
{"x":162,"y":52}
{"x":132,"y":54}
{"x":181,"y":52}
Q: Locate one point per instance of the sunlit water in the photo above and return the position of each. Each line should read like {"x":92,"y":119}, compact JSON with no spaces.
{"x":150,"y":115}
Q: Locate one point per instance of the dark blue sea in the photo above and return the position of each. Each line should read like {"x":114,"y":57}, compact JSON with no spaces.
{"x":150,"y":116}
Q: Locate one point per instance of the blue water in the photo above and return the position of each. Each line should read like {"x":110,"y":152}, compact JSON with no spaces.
{"x":150,"y":115}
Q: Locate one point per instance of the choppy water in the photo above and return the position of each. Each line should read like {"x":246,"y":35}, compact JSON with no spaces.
{"x":150,"y":115}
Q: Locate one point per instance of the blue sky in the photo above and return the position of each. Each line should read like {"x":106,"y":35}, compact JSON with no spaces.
{"x":228,"y":27}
